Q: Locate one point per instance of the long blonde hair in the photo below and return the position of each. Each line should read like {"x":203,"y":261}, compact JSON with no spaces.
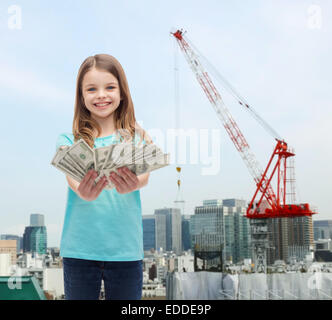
{"x":84,"y":126}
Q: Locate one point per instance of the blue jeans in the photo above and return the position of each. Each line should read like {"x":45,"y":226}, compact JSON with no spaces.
{"x":123,"y":280}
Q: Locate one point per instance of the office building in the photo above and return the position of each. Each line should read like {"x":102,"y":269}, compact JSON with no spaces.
{"x":289,"y":239}
{"x":234,"y":203}
{"x":168,"y":230}
{"x":222,"y":225}
{"x":35,"y":236}
{"x":149,"y":232}
{"x":206,"y":228}
{"x":37,"y":220}
{"x":300,"y":237}
{"x":278,"y":240}
{"x":160,"y":227}
{"x":213,"y":202}
{"x":186,"y":238}
{"x":322,"y":229}
{"x":239,"y":228}
{"x":207,"y":236}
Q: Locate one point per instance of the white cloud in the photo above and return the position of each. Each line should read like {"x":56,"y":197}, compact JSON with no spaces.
{"x":30,"y":84}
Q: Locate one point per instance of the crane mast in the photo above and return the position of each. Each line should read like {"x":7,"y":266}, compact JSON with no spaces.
{"x":265,"y":203}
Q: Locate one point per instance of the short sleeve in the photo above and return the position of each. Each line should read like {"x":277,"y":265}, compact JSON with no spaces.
{"x":64,"y":139}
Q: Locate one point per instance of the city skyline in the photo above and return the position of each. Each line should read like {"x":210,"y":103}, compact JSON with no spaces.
{"x":206,"y":202}
{"x":280,"y":63}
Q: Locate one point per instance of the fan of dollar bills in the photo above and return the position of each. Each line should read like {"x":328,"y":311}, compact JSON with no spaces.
{"x":76,"y":160}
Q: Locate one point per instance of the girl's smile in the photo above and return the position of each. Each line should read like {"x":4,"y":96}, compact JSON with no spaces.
{"x":102,"y":105}
{"x":101,"y":93}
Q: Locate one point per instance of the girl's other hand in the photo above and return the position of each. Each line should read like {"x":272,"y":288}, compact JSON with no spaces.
{"x":87,"y":190}
{"x":125,"y":181}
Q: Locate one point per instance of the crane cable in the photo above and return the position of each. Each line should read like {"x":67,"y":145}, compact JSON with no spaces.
{"x":234,"y":93}
{"x":176,"y":87}
{"x":177,"y":102}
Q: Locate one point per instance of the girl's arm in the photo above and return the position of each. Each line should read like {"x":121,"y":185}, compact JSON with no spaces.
{"x":72,"y":183}
{"x":143,"y":180}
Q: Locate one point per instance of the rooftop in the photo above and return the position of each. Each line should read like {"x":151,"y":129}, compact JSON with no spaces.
{"x":20,"y":288}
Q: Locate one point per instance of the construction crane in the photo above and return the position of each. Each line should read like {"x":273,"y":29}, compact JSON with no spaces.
{"x":265,"y":203}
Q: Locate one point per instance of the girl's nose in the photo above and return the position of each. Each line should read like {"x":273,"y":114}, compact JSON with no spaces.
{"x":101,"y":93}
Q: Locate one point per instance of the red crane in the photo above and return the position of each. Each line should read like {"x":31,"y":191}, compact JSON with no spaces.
{"x":265,"y":203}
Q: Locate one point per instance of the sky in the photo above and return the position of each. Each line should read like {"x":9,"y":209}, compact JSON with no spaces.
{"x":275,"y":53}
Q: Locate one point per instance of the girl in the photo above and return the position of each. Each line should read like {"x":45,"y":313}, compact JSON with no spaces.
{"x":102,"y":233}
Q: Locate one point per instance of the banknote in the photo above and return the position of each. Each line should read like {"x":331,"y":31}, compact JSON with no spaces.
{"x":76,"y":160}
{"x":101,"y":156}
{"x":58,"y":162}
{"x":83,"y":155}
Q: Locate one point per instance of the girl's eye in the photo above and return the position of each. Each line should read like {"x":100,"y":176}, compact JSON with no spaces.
{"x":109,"y":87}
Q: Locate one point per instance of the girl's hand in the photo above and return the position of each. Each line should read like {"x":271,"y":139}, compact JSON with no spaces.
{"x":87,"y":190}
{"x":125,"y":181}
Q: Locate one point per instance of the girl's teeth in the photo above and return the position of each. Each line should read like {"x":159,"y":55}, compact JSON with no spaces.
{"x":102,"y":105}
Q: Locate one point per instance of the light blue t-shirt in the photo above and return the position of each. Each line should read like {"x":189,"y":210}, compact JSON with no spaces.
{"x":108,"y":228}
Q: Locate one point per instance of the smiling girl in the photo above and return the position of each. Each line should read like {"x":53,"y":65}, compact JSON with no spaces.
{"x":102,"y":233}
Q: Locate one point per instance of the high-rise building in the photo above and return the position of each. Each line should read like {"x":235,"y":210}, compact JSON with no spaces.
{"x":289,"y":238}
{"x":322,"y":229}
{"x":278,"y":240}
{"x":149,"y":232}
{"x":234,"y":203}
{"x":160,"y":229}
{"x":168,"y":229}
{"x":36,"y":220}
{"x":238,"y":225}
{"x":19,"y":240}
{"x":222,"y":225}
{"x":206,"y":228}
{"x":300,"y":237}
{"x":35,"y":236}
{"x":213,"y":202}
{"x":186,"y":239}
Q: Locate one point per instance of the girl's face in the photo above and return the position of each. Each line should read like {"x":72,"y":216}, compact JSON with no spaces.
{"x":101,"y":93}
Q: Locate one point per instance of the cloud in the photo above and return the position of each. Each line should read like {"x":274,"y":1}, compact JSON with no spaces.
{"x":30,"y":84}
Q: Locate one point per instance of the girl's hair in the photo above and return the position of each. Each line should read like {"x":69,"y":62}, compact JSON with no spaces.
{"x":84,"y":125}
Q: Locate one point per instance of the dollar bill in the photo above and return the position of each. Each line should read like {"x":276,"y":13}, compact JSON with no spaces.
{"x":145,"y":167}
{"x":83,"y":155}
{"x":76,"y":160}
{"x":70,"y":172}
{"x":101,"y":157}
{"x":59,"y":154}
